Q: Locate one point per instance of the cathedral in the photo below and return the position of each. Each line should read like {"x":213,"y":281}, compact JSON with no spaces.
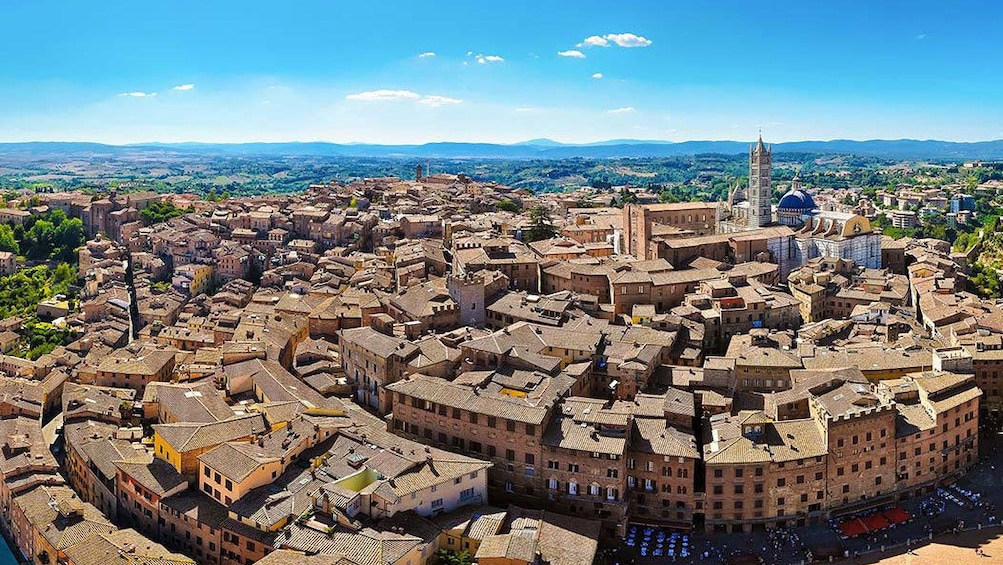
{"x":753,"y":208}
{"x":815,"y":233}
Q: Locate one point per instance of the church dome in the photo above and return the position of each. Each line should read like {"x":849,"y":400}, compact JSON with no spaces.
{"x":796,"y":199}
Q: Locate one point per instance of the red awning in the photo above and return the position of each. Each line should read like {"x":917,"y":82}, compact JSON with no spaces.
{"x":897,"y":515}
{"x":851,"y":528}
{"x":875,"y":522}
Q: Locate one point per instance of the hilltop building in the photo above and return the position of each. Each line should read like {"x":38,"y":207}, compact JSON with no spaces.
{"x":818,"y":233}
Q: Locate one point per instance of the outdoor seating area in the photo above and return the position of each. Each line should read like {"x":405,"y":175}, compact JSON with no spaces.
{"x":874,"y":522}
{"x":965,"y":494}
{"x":657,"y":542}
{"x":933,"y":506}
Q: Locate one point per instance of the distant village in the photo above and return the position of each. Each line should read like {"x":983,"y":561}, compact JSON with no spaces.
{"x":378,"y":371}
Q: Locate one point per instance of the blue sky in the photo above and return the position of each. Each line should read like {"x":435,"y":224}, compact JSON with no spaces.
{"x":388,"y":71}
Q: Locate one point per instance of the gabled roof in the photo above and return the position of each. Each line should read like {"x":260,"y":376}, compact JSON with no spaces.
{"x":185,"y":437}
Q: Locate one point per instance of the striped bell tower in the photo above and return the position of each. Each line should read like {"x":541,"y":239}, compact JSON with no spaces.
{"x":760,"y":184}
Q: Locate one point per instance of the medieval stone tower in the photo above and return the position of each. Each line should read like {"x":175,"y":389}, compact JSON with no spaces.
{"x":760,"y":185}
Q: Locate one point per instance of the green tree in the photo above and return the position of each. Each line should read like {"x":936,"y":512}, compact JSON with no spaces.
{"x":7,"y":240}
{"x":157,"y":212}
{"x":540,"y":226}
{"x":448,"y":557}
{"x":507,"y":205}
{"x":986,"y":281}
{"x":69,"y":236}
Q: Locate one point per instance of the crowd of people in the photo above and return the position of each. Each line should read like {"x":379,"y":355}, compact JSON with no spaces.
{"x":785,"y":542}
{"x":932,"y":506}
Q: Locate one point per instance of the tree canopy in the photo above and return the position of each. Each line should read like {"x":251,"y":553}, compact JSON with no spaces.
{"x":157,"y":212}
{"x":50,"y":236}
{"x":540,"y":226}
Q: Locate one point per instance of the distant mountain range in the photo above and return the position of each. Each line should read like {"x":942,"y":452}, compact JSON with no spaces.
{"x":906,"y":149}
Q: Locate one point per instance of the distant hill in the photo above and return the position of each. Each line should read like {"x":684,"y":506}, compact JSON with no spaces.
{"x":906,"y":149}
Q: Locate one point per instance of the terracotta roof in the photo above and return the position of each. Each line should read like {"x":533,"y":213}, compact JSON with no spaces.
{"x":155,"y":475}
{"x":489,"y":399}
{"x":185,"y":437}
{"x":788,"y":440}
{"x":651,"y":435}
{"x":123,"y":547}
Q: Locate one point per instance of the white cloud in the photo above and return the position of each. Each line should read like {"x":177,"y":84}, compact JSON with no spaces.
{"x":525,"y":109}
{"x":573,"y":53}
{"x":484,"y":59}
{"x":628,"y":40}
{"x":387,"y":95}
{"x":594,"y":41}
{"x":426,"y":55}
{"x":138,"y":94}
{"x":921,"y":36}
{"x":469,"y":53}
{"x":597,"y":76}
{"x":184,"y":87}
{"x":620,"y":39}
{"x":623,"y":110}
{"x":435,"y":101}
{"x":383,"y":95}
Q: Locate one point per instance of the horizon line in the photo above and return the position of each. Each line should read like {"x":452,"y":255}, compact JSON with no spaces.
{"x":540,"y":142}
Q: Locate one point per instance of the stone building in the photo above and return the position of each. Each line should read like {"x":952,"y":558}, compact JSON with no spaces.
{"x":371,"y":361}
{"x":686,"y":219}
